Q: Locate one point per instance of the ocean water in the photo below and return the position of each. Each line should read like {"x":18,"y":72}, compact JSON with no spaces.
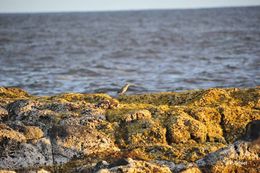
{"x":163,"y":50}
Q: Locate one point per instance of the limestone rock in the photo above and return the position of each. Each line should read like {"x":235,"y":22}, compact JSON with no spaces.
{"x":241,"y":155}
{"x":3,"y":113}
{"x":191,"y":170}
{"x":145,"y":132}
{"x":33,"y":132}
{"x":186,"y":131}
{"x":253,"y":131}
{"x":17,"y":155}
{"x":7,"y":132}
{"x":138,"y":115}
{"x":130,"y":165}
{"x":182,"y":128}
{"x":11,"y":92}
{"x":76,"y":141}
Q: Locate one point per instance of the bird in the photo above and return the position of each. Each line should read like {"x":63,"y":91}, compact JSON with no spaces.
{"x":124,"y":89}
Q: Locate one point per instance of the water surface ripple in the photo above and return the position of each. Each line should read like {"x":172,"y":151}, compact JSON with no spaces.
{"x":167,"y":50}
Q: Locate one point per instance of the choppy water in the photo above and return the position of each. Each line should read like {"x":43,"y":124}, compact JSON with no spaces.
{"x":158,"y":50}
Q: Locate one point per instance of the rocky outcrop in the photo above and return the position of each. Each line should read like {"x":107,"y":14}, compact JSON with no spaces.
{"x":241,"y":156}
{"x":130,"y":165}
{"x":213,"y":130}
{"x":253,"y":132}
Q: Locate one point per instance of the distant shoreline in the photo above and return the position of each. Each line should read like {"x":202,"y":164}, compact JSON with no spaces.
{"x":127,"y":11}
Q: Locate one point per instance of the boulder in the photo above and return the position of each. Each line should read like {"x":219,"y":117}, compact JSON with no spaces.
{"x":144,"y":132}
{"x":241,"y":156}
{"x":182,"y":128}
{"x":17,"y":155}
{"x":77,"y":141}
{"x":253,"y":131}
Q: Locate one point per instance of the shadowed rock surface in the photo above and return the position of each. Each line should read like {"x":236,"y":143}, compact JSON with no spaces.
{"x":213,"y":130}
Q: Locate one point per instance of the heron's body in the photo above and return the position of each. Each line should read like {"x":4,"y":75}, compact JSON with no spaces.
{"x":124,"y":89}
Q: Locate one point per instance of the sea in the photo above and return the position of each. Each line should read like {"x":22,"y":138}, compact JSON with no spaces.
{"x":156,"y":50}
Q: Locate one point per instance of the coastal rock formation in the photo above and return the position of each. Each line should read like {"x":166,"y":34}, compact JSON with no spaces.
{"x":239,"y":157}
{"x":130,"y":165}
{"x":253,"y":131}
{"x":214,"y":130}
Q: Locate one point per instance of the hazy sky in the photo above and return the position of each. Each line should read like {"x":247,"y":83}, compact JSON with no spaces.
{"x":100,"y":5}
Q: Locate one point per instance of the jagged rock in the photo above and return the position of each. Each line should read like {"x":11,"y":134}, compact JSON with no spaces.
{"x":182,"y":128}
{"x":138,"y":115}
{"x":101,"y":165}
{"x":241,"y":156}
{"x":235,"y":119}
{"x":76,"y":141}
{"x":3,"y":113}
{"x":79,"y":130}
{"x":11,"y":92}
{"x":17,"y":155}
{"x":253,"y":131}
{"x":145,"y":132}
{"x":192,"y":170}
{"x":108,"y":104}
{"x":210,"y":117}
{"x":7,"y":132}
{"x":19,"y":108}
{"x":130,"y":165}
{"x":33,"y":132}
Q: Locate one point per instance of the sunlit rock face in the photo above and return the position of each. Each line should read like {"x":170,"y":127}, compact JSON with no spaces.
{"x":192,"y":131}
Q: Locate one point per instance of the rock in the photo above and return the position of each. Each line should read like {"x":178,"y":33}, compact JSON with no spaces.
{"x":11,"y":92}
{"x":76,"y":141}
{"x":7,"y":132}
{"x":138,"y":115}
{"x":239,"y":156}
{"x":3,"y":113}
{"x":144,"y":132}
{"x":253,"y":131}
{"x":108,"y":104}
{"x":130,"y":165}
{"x":121,"y":162}
{"x":6,"y":171}
{"x":40,"y":171}
{"x":179,"y":132}
{"x":101,"y":165}
{"x":182,"y":128}
{"x":235,"y":119}
{"x":210,"y":117}
{"x":17,"y":155}
{"x":33,"y":132}
{"x":192,"y":170}
{"x":17,"y":108}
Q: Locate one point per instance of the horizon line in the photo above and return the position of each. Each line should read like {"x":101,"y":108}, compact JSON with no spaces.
{"x":127,"y":10}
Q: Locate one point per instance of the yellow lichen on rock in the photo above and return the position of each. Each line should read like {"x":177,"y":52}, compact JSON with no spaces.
{"x":33,"y":132}
{"x":145,"y":132}
{"x":211,"y":118}
{"x":235,"y":119}
{"x":7,"y":132}
{"x":183,"y":127}
{"x":179,"y":127}
{"x":9,"y":92}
